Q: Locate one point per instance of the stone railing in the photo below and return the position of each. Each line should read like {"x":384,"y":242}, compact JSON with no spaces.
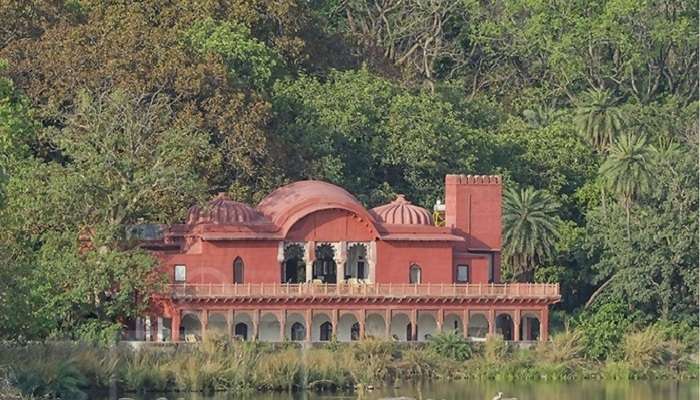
{"x":383,"y":290}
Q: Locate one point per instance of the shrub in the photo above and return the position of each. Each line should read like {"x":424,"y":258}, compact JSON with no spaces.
{"x":495,"y":349}
{"x":604,"y":329}
{"x":279,"y":370}
{"x":564,"y":348}
{"x":61,"y":379}
{"x":451,"y":345}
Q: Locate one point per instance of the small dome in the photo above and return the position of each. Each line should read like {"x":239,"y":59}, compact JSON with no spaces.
{"x":402,"y":212}
{"x":224,"y":211}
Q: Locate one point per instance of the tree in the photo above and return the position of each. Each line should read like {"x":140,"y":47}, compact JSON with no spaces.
{"x":530,"y":228}
{"x":598,"y":118}
{"x":628,"y":170}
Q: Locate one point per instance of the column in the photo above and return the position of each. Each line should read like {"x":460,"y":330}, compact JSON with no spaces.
{"x":465,"y":324}
{"x":159,"y":331}
{"x":526,"y":329}
{"x":361,"y":320}
{"x":283,"y":325}
{"x":516,"y":325}
{"x":229,"y":324}
{"x":175,"y":326}
{"x":544,"y":325}
{"x":334,"y":323}
{"x":204,"y":319}
{"x":340,"y":258}
{"x":440,"y":319}
{"x":307,"y":323}
{"x":310,"y":257}
{"x":148,"y":326}
{"x":492,"y":321}
{"x":387,"y":323}
{"x":138,"y":333}
{"x":256,"y":325}
{"x":414,"y":325}
{"x":372,"y":261}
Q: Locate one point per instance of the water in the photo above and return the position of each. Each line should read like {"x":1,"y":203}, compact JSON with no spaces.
{"x":470,"y":390}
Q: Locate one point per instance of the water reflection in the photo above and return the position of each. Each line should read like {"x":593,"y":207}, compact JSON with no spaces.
{"x":591,"y":390}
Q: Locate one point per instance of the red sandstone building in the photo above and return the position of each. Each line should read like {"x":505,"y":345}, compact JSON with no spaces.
{"x":310,"y":262}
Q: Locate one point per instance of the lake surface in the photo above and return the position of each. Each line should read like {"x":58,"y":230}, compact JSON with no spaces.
{"x":470,"y":390}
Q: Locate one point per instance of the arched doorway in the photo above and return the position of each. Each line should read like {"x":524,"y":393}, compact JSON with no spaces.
{"x":269,"y":328}
{"x":241,"y":331}
{"x":325,"y":331}
{"x":347,"y":328}
{"x":398,"y":327}
{"x":504,"y":326}
{"x":293,"y":267}
{"x":217,"y":324}
{"x":298,"y":332}
{"x":356,"y":267}
{"x":426,"y":326}
{"x":453,"y":323}
{"x":375,"y":326}
{"x":530,"y":327}
{"x":324,"y":265}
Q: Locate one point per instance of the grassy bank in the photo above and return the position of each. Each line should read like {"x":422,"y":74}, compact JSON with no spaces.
{"x":67,"y":370}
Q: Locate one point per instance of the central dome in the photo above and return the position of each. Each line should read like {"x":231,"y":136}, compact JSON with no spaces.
{"x":402,"y":212}
{"x":224,"y":211}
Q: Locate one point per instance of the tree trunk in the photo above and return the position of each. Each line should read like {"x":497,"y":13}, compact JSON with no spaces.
{"x":598,"y":291}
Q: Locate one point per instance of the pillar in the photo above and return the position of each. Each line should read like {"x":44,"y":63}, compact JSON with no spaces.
{"x":307,"y":323}
{"x":148,"y":327}
{"x":334,"y":323}
{"x":340,"y":258}
{"x":465,"y":324}
{"x":310,"y":257}
{"x":175,"y":326}
{"x":527,"y":334}
{"x":492,"y":321}
{"x":361,"y":320}
{"x":283,"y":325}
{"x":414,"y":325}
{"x":544,"y":325}
{"x":387,"y":323}
{"x":256,"y":325}
{"x":159,"y":331}
{"x":516,"y":325}
{"x":440,"y":320}
{"x":372,"y":262}
{"x":229,"y":324}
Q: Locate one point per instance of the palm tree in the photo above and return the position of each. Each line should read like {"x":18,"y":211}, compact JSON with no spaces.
{"x":628,"y":170}
{"x":598,"y":118}
{"x":531,"y":227}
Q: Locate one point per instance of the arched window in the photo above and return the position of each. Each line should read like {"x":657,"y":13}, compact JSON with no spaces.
{"x":298,"y":332}
{"x":241,"y":330}
{"x":238,"y":270}
{"x":326,"y":331}
{"x":414,"y":274}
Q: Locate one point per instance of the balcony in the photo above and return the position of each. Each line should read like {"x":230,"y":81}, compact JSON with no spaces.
{"x":385,"y":291}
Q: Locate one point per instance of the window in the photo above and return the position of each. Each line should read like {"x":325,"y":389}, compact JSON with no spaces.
{"x":462,"y":274}
{"x":414,"y":274}
{"x":238,"y":270}
{"x":180,"y":273}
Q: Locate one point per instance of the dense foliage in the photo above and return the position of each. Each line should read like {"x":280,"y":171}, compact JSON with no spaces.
{"x":112,"y":113}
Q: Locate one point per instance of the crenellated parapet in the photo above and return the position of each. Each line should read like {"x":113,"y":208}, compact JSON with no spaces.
{"x":473,"y":179}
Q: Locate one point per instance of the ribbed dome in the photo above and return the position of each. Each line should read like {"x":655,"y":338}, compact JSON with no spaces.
{"x":402,"y":212}
{"x":224,"y":211}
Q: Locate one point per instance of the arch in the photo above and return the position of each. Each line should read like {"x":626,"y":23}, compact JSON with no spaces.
{"x":357,"y":266}
{"x":243,"y":318}
{"x":324,"y":267}
{"x":375,"y":326}
{"x":241,"y":331}
{"x":397,"y":329}
{"x":414,"y":274}
{"x":427,"y":326}
{"x":216,"y":323}
{"x":504,"y":326}
{"x":345,"y":327}
{"x":529,"y":327}
{"x":292,"y":319}
{"x":453,"y":323}
{"x":238,"y":268}
{"x":190,"y":325}
{"x":298,"y":332}
{"x":478,"y":326}
{"x":318,"y":334}
{"x":293,"y":266}
{"x":269,"y":328}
